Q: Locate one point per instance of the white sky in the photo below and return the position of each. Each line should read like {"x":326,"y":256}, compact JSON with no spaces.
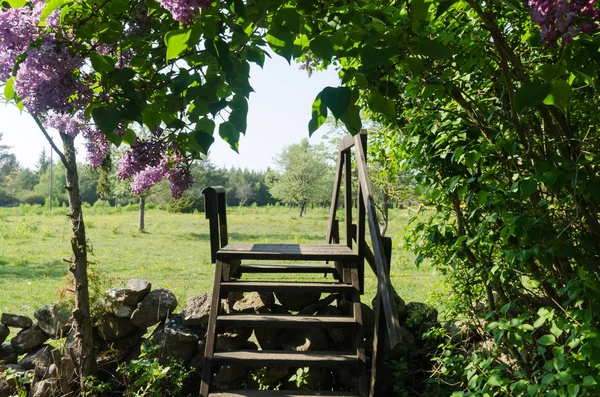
{"x":279,"y":111}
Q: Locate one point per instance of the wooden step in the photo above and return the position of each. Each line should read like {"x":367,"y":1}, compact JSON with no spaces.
{"x":282,"y":393}
{"x":309,"y":252}
{"x":284,"y":321}
{"x":270,"y":358}
{"x":297,"y":287}
{"x":279,"y":268}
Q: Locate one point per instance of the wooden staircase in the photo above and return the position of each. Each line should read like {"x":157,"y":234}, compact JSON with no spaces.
{"x":340,"y":263}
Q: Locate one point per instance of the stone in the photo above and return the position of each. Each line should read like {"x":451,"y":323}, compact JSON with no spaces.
{"x":122,"y":295}
{"x":139,"y":288}
{"x":197,"y":310}
{"x":270,"y":376}
{"x":53,"y":320}
{"x":28,"y":339}
{"x":6,"y":389}
{"x":420,"y":316}
{"x":343,"y":377}
{"x":255,"y":302}
{"x":14,"y":320}
{"x":39,"y":360}
{"x":368,"y":316}
{"x":111,"y":328}
{"x":301,"y":340}
{"x":197,"y":362}
{"x":336,"y":334}
{"x":267,"y":337}
{"x":315,"y":307}
{"x":233,"y":338}
{"x":8,"y":355}
{"x":155,"y":307}
{"x":402,"y":349}
{"x":176,"y":341}
{"x":229,"y":377}
{"x":4,"y":332}
{"x":296,"y":301}
{"x":44,"y":388}
{"x":121,"y":350}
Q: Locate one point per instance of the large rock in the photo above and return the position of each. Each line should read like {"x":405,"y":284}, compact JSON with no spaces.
{"x":267,"y":337}
{"x":53,"y":320}
{"x":420,"y":317}
{"x":155,"y":307}
{"x":139,"y":288}
{"x":296,"y":301}
{"x":176,"y":341}
{"x":39,"y":360}
{"x":197,"y":310}
{"x":14,"y":320}
{"x":402,"y":349}
{"x":123,"y":349}
{"x":112,"y":328}
{"x":119,"y":309}
{"x":8,"y":354}
{"x":302,"y":340}
{"x":336,"y":334}
{"x":233,"y":338}
{"x":4,"y":332}
{"x":230,"y":377}
{"x":44,"y":388}
{"x":28,"y":339}
{"x":255,"y":302}
{"x":122,"y":295}
{"x":368,"y":316}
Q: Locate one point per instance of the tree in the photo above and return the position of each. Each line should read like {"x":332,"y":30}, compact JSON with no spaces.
{"x":43,"y":162}
{"x":302,"y":174}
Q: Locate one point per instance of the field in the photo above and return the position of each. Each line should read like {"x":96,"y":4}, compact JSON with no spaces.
{"x":172,"y":252}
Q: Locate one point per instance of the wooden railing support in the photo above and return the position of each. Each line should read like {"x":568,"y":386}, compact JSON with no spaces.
{"x":215,"y":212}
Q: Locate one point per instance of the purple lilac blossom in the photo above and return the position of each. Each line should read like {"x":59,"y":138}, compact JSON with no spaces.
{"x":179,"y":180}
{"x":184,"y":10}
{"x":141,"y":155}
{"x":97,"y":146}
{"x":65,"y":123}
{"x":146,"y":178}
{"x":563,"y":19}
{"x":45,"y":80}
{"x":18,"y":28}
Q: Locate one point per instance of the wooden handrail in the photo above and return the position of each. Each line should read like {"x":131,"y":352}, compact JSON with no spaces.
{"x":384,"y":284}
{"x":215,"y":212}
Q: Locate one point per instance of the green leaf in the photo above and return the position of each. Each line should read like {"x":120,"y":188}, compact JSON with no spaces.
{"x":434,"y":50}
{"x":287,"y":19}
{"x":531,"y":94}
{"x":229,"y":134}
{"x":177,"y":41}
{"x":372,"y":57}
{"x":560,"y":95}
{"x":51,"y":6}
{"x":256,"y":55}
{"x":106,"y":118}
{"x":352,"y":119}
{"x":379,"y":104}
{"x":589,"y":381}
{"x":322,"y":47}
{"x":102,"y":63}
{"x":419,"y":9}
{"x":337,"y":99}
{"x":9,"y":89}
{"x":527,"y":187}
{"x":546,"y":340}
{"x":573,"y":390}
{"x":201,"y":141}
{"x":319,"y":115}
{"x":151,"y":117}
{"x":494,"y":380}
{"x":129,"y":136}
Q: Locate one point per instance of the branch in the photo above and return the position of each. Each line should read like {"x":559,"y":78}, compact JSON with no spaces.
{"x":49,"y":139}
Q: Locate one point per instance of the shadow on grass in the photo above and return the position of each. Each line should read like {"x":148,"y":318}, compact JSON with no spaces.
{"x":250,"y":237}
{"x":51,"y":269}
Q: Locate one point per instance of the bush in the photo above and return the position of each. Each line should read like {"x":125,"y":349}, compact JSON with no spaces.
{"x":185,"y":205}
{"x":7,"y":199}
{"x":32,"y":198}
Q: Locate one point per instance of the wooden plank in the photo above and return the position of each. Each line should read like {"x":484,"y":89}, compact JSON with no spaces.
{"x":346,"y":143}
{"x":384,"y":284}
{"x":378,"y":347}
{"x":279,"y":268}
{"x":348,"y":197}
{"x":335,"y":196}
{"x":363,"y":387}
{"x":270,"y":358}
{"x":285,"y":321}
{"x":222,"y":210}
{"x":360,"y":224}
{"x":297,"y":287}
{"x":308,"y":252}
{"x":282,"y":393}
{"x":211,"y":333}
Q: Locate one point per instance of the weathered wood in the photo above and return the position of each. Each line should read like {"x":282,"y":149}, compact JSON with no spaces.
{"x":270,"y":358}
{"x":363,"y":386}
{"x":346,"y":143}
{"x":360,"y":225}
{"x":284,"y":321}
{"x":222,"y":211}
{"x":384,"y":284}
{"x":335,"y":196}
{"x":282,"y":393}
{"x":298,"y":287}
{"x":279,"y":268}
{"x":307,"y":252}
{"x":378,"y":347}
{"x":348,"y":196}
{"x":211,"y":333}
{"x":211,"y":211}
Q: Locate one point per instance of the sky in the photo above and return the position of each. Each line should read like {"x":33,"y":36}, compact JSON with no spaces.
{"x":279,"y":111}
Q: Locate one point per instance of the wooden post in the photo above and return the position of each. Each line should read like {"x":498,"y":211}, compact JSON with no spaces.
{"x":348,"y":196}
{"x":360,"y":232}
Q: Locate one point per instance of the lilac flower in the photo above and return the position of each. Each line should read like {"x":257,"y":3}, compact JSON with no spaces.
{"x":46,"y":79}
{"x":65,"y":123}
{"x":146,"y":178}
{"x":184,"y":10}
{"x":18,"y":28}
{"x":97,"y":146}
{"x":140,"y":156}
{"x":180,"y":180}
{"x":563,"y":19}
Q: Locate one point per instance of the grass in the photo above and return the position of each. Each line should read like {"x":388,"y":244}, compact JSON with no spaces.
{"x":173,"y":251}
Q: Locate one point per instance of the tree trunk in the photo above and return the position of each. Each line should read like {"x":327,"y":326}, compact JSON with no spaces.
{"x":302,"y":209}
{"x":81,"y":313}
{"x":142,"y":210}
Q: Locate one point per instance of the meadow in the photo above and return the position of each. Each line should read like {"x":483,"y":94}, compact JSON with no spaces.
{"x":173,"y":251}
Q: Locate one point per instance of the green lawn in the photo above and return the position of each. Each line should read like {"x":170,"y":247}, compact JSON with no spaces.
{"x":173,"y":252}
